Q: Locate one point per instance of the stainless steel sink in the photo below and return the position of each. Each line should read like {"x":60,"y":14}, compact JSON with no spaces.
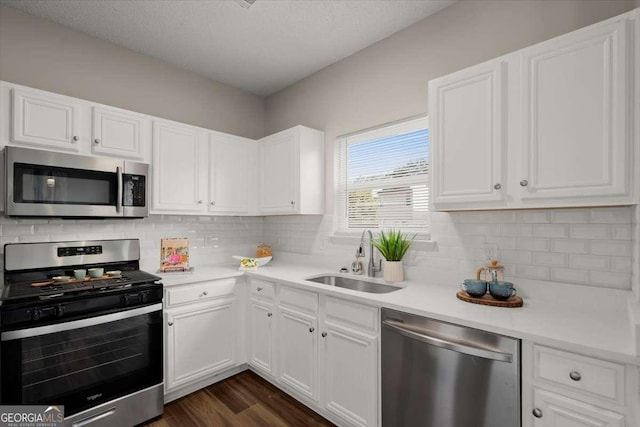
{"x":354,"y":284}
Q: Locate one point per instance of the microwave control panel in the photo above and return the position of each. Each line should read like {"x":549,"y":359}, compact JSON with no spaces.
{"x":133,"y":192}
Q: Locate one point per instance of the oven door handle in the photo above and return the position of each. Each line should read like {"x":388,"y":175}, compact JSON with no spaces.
{"x":76,"y":324}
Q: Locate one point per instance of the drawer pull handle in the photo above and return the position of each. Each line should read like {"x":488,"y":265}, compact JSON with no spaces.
{"x":537,"y":412}
{"x":269,"y":314}
{"x":259,"y":289}
{"x":311,"y":330}
{"x":324,"y":335}
{"x":575,"y":375}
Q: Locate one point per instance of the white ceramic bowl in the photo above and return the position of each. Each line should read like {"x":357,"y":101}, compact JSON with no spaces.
{"x":61,"y":278}
{"x":96,"y":272}
{"x":247,"y":263}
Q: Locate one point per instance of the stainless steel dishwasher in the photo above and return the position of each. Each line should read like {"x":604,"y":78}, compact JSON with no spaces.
{"x":437,"y":374}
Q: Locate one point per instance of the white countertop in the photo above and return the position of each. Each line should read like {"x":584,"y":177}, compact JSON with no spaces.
{"x":594,"y":321}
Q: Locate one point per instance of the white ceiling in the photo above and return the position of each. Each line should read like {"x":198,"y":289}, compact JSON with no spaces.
{"x":262,"y":49}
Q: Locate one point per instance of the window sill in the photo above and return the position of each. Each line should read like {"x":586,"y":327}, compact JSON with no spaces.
{"x":422,"y":243}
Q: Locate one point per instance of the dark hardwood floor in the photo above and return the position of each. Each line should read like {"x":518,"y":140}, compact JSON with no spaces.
{"x":242,"y":400}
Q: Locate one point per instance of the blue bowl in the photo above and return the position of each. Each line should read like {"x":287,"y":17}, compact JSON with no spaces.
{"x":501,"y":290}
{"x":475,"y":288}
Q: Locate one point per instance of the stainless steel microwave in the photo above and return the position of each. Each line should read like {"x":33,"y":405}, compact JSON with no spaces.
{"x":48,"y":184}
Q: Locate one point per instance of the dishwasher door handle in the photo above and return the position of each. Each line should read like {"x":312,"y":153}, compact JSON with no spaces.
{"x":466,"y":347}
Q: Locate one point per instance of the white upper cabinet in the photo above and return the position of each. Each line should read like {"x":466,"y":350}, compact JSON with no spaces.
{"x":45,"y":120}
{"x":179,"y":168}
{"x":291,"y":172}
{"x":119,"y":134}
{"x":467,"y":120}
{"x":564,"y":108}
{"x":575,"y":115}
{"x":232,"y":180}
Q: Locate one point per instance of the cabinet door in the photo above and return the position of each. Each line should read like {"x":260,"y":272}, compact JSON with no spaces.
{"x":466,"y":119}
{"x":230,"y":173}
{"x":261,"y":336}
{"x":298,"y":350}
{"x":554,"y":410}
{"x":575,"y":116}
{"x":279,"y":173}
{"x":117,"y":133}
{"x":179,"y":168}
{"x":349,"y":368}
{"x":45,"y":120}
{"x":200,"y":342}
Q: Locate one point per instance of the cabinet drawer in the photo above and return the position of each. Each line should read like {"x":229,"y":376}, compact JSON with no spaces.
{"x":585,"y":374}
{"x":263,"y":289}
{"x":298,"y":298}
{"x":351,"y":314}
{"x":199,"y":292}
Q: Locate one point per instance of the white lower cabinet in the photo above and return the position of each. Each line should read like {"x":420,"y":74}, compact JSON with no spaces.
{"x":201,"y":341}
{"x":201,"y":334}
{"x":350,"y":373}
{"x":326,"y":352}
{"x":298,"y":350}
{"x":261,"y":336}
{"x":565,"y":389}
{"x":556,"y":410}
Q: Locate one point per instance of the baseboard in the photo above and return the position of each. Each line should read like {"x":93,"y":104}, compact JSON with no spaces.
{"x":204,"y":382}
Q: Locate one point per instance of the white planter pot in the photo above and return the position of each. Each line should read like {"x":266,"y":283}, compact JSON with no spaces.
{"x":393,"y":271}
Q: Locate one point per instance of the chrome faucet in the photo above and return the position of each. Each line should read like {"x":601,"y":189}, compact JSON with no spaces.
{"x":371,"y":265}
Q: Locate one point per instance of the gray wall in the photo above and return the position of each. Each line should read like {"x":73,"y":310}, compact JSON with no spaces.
{"x":388,"y":80}
{"x":41,"y":54}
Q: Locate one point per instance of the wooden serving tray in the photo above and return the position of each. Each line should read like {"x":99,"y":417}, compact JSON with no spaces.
{"x":513,"y":302}
{"x":73,"y":280}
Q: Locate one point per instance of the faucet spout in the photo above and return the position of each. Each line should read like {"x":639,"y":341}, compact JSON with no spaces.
{"x":371,"y":265}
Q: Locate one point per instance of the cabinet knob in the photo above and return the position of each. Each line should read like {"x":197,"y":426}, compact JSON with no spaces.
{"x":311,"y":330}
{"x":269,"y":314}
{"x":259,"y":289}
{"x":213,"y":203}
{"x":170,"y":323}
{"x":324,"y":335}
{"x":497,"y":186}
{"x":575,"y":375}
{"x":293,"y":202}
{"x":199,"y":202}
{"x":524,"y":183}
{"x":537,"y":412}
{"x":75,"y":138}
{"x":97,"y":141}
{"x":204,"y":294}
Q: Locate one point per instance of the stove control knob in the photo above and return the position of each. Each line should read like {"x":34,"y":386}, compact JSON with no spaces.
{"x":143,"y":297}
{"x":59,"y":310}
{"x":35,"y":314}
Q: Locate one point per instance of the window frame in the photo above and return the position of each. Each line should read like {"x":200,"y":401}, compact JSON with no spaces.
{"x":340,"y":175}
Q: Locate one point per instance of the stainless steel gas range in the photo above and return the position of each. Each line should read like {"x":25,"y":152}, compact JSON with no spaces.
{"x":94,"y":345}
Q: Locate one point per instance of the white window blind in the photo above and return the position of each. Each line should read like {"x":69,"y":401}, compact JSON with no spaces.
{"x":382,"y":178}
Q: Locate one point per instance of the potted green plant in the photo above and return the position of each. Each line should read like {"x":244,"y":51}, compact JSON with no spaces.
{"x":393,"y":246}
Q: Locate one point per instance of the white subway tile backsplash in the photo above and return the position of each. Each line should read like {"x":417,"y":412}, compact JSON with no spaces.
{"x":570,"y":246}
{"x":590,"y":262}
{"x":609,"y":279}
{"x":621,"y":232}
{"x":551,"y":230}
{"x":532,"y":217}
{"x":550,"y":259}
{"x":517,"y":230}
{"x":590,"y":231}
{"x":611,"y":215}
{"x":617,"y":248}
{"x":570,"y":216}
{"x":532,"y":244}
{"x":533,"y":272}
{"x":621,"y":265}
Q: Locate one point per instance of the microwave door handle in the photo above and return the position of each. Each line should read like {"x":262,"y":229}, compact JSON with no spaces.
{"x":119,"y":196}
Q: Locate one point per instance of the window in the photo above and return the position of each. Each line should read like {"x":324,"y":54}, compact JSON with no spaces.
{"x":382,"y":178}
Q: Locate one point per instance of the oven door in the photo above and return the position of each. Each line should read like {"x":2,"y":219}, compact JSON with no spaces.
{"x":83,"y":363}
{"x":43,"y":183}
